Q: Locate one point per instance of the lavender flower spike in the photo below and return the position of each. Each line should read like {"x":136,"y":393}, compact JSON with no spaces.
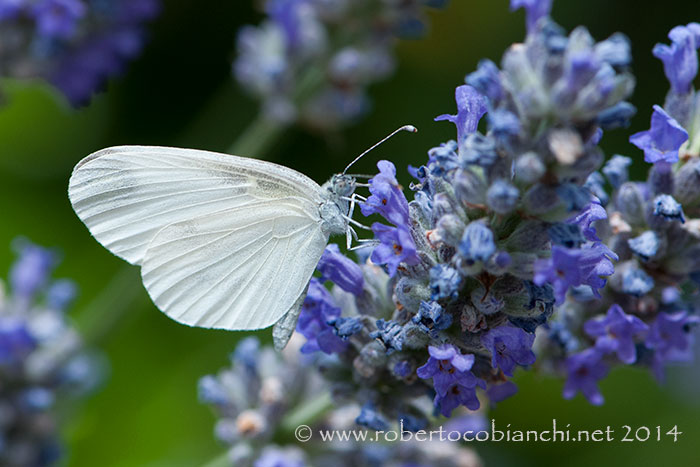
{"x":513,"y":232}
{"x":44,"y":367}
{"x":307,"y":45}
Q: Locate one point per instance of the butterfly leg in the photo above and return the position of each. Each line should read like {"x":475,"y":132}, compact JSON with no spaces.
{"x":353,"y":202}
{"x":355,"y":223}
{"x":364,"y":244}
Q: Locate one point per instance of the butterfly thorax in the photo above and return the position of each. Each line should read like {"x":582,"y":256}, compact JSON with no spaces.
{"x":335,"y":207}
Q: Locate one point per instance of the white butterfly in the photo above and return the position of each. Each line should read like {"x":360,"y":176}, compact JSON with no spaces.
{"x":223,"y":241}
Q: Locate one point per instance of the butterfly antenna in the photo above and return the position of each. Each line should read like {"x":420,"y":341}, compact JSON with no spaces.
{"x":410,"y":128}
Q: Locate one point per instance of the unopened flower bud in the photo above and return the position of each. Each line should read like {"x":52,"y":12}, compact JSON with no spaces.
{"x":450,"y":228}
{"x":469,"y":187}
{"x":687,"y":183}
{"x":529,"y":168}
{"x":410,"y":292}
{"x":630,"y":203}
{"x":502,"y":197}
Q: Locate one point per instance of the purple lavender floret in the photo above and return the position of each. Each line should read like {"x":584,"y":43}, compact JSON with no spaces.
{"x":387,"y":198}
{"x":61,"y":293}
{"x":592,"y":213}
{"x":58,"y":19}
{"x":569,"y":267}
{"x":477,"y":243}
{"x":279,"y":458}
{"x":662,"y":142}
{"x":454,"y":384}
{"x":617,"y":333}
{"x":390,"y":333}
{"x":341,"y":270}
{"x":370,"y":418}
{"x":500,"y":392}
{"x":443,"y":158}
{"x":16,"y":342}
{"x":487,"y":81}
{"x":680,"y":59}
{"x":509,"y":346}
{"x":456,"y":395}
{"x":646,"y":245}
{"x":317,"y":310}
{"x":447,"y":366}
{"x":444,"y":282}
{"x":616,"y":170}
{"x":534,"y":10}
{"x":585,"y":369}
{"x":345,"y":327}
{"x":671,"y":338}
{"x":471,"y":106}
{"x":396,"y":247}
{"x":32,"y":270}
{"x":668,"y":208}
{"x":431,"y":316}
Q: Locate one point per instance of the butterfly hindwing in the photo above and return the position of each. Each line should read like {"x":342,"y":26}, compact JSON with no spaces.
{"x":240,"y":269}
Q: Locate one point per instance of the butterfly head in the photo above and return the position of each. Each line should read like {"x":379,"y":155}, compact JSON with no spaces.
{"x":336,"y":205}
{"x":342,"y":185}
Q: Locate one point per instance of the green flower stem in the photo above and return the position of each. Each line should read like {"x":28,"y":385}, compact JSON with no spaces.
{"x":306,"y":414}
{"x":115,"y":300}
{"x":258,"y":138}
{"x":263,"y":133}
{"x":694,"y":130}
{"x":219,"y":461}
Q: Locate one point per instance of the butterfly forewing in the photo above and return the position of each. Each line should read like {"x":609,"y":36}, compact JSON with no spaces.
{"x":126,"y":194}
{"x":224,"y":241}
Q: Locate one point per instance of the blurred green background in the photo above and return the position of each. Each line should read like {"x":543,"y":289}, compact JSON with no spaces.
{"x":180,"y":93}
